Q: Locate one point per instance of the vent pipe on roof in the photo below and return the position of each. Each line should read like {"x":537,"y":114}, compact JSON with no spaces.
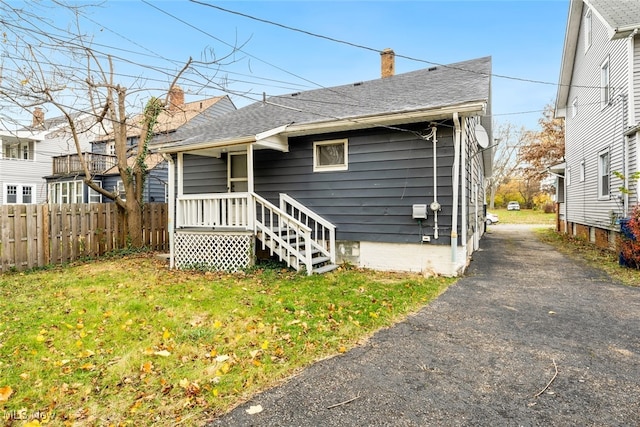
{"x":388,"y":63}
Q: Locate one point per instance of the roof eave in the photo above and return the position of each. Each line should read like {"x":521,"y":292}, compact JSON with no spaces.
{"x":172,"y":148}
{"x":391,"y":119}
{"x":275,"y":138}
{"x":568,"y":54}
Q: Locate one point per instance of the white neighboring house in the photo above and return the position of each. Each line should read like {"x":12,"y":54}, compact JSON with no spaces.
{"x":599,"y":97}
{"x":26,"y":157}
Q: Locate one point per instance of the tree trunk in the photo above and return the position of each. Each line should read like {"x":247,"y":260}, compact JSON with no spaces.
{"x":492,"y":196}
{"x":134,"y":224}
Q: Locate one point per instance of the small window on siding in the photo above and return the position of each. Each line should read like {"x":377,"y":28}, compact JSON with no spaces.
{"x":27,"y":195}
{"x":16,"y":193}
{"x":94,"y":196}
{"x":582,"y":171}
{"x":110,"y":148}
{"x":587,"y":30}
{"x":11,"y":194}
{"x":330,"y":155}
{"x":121,"y":191}
{"x":568,"y":177}
{"x":605,"y":84}
{"x":603,"y":174}
{"x":574,"y":107}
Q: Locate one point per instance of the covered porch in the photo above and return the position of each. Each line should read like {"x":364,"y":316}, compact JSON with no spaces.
{"x":225,"y":228}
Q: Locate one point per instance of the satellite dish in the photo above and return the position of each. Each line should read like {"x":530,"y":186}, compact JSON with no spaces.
{"x":482,"y":137}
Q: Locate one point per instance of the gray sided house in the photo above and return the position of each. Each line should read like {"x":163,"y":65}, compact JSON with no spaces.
{"x":599,"y":97}
{"x":66,"y":184}
{"x":386,"y":174}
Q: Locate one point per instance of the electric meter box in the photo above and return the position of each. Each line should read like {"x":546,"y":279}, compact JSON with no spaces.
{"x":419,"y":212}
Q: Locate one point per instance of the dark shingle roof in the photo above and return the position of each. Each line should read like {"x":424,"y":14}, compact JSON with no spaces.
{"x":425,"y":89}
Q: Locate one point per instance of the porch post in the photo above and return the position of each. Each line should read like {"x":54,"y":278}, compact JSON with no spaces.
{"x":251,"y":203}
{"x":250,"y":168}
{"x":172,"y":207}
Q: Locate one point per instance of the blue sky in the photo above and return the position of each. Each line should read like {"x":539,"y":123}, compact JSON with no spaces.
{"x":524,"y":38}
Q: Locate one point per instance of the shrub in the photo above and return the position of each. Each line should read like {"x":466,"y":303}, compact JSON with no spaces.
{"x":630,"y":239}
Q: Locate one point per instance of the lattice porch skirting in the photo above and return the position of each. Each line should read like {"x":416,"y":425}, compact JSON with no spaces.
{"x":210,"y":250}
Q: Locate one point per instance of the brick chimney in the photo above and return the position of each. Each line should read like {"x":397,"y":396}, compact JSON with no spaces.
{"x":38,"y":117}
{"x":176,"y":99}
{"x":388,"y":62}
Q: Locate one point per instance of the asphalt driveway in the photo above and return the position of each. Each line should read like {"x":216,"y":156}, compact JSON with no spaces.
{"x":483,"y":353}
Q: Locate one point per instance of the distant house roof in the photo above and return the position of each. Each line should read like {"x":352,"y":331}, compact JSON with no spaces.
{"x":171,"y":118}
{"x":400,"y":99}
{"x":621,"y":17}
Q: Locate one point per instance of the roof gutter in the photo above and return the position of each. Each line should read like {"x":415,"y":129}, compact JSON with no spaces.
{"x":170,"y":148}
{"x":414,"y":116}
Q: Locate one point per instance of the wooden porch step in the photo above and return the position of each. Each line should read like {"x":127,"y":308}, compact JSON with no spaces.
{"x":320,"y":260}
{"x":325,"y":269}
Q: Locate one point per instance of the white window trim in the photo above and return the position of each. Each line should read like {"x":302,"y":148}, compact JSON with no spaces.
{"x":601,"y":190}
{"x":331,"y":168}
{"x":588,"y":29}
{"x":605,"y":83}
{"x":120,"y":190}
{"x":74,"y":193}
{"x":19,"y":193}
{"x":93,"y":193}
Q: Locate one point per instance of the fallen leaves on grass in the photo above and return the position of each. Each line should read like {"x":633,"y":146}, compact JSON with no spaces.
{"x":5,"y":393}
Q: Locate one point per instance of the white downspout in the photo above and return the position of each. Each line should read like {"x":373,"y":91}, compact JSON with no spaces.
{"x":625,"y":201}
{"x":172,"y":207}
{"x":463,"y":197}
{"x":631,"y":89}
{"x":456,"y":177}
{"x":435,"y":184}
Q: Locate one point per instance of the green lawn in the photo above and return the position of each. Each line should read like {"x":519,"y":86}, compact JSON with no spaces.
{"x":524,"y":216}
{"x":129,"y":342}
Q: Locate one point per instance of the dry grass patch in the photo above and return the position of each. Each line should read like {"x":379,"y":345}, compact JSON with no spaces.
{"x":603,"y":259}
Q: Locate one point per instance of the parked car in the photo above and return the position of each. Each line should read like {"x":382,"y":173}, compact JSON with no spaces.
{"x":513,"y":206}
{"x":491,"y":218}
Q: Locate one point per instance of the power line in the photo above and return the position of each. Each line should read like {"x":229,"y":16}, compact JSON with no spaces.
{"x":371,"y":49}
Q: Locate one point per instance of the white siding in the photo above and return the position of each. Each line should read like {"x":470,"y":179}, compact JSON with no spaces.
{"x":636,"y":78}
{"x":32,"y":172}
{"x":595,"y":128}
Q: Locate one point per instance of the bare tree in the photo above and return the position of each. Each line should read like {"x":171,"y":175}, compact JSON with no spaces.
{"x":45,"y":64}
{"x":506,"y":161}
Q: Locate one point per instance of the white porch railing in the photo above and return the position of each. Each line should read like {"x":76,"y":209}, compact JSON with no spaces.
{"x":292,"y":232}
{"x":219,"y":210}
{"x":323,"y":232}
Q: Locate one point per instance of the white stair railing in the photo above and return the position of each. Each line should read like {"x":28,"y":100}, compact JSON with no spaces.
{"x":323,"y":232}
{"x":283,"y":234}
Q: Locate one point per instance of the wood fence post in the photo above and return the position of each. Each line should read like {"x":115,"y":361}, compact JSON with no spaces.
{"x":46,"y":235}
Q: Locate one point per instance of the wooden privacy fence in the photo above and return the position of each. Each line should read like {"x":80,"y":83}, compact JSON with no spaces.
{"x":38,"y":235}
